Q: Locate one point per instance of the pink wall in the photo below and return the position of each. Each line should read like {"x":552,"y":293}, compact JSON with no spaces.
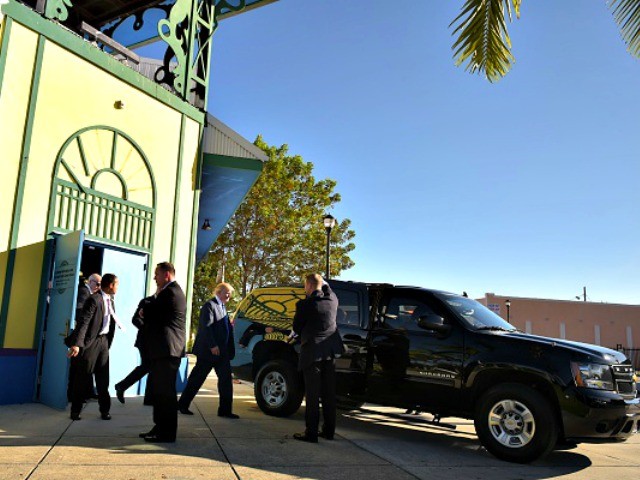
{"x":581,"y":321}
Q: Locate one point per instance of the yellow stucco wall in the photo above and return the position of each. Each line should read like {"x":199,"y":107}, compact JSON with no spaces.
{"x":14,"y":96}
{"x":73,"y":94}
{"x":185,"y":204}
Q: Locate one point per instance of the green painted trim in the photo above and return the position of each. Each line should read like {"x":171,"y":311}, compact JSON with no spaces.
{"x":122,"y":134}
{"x":4,"y":50}
{"x":42,"y":297}
{"x":114,"y":151}
{"x":83,"y":156}
{"x":22,"y":178}
{"x":176,"y":201}
{"x":194,"y":230}
{"x":94,"y":179}
{"x":242,"y":163}
{"x":106,"y":196}
{"x":76,"y":44}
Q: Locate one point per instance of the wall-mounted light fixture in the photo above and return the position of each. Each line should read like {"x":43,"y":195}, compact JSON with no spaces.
{"x":206,"y":225}
{"x":119,"y":105}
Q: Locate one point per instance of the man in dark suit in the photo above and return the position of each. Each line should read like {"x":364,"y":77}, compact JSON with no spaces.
{"x":91,"y":340}
{"x":164,"y":331}
{"x":85,"y":290}
{"x":145,"y":362}
{"x":214,"y":347}
{"x":315,"y":323}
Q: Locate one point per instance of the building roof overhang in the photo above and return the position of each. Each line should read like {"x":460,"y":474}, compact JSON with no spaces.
{"x":231,"y":165}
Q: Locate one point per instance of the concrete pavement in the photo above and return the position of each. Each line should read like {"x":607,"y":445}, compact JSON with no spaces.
{"x":37,"y":442}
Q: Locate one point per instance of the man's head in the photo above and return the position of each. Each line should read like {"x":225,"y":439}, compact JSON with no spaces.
{"x":223,"y":291}
{"x":165,"y":273}
{"x":312,"y":283}
{"x":109,"y":284}
{"x":94,"y":282}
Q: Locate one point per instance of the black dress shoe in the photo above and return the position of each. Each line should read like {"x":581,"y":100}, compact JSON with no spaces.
{"x":120,"y":395}
{"x":185,"y":411}
{"x":229,"y":415}
{"x":326,"y":436}
{"x":75,"y":416}
{"x":158,"y":439}
{"x":105,"y":416}
{"x":303,"y":437}
{"x":147,"y":434}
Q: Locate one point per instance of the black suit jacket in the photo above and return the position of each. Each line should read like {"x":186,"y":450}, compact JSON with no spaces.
{"x":89,"y":323}
{"x":214,"y":330}
{"x":83,"y":294}
{"x":164,"y":323}
{"x":138,"y":322}
{"x":315,"y":322}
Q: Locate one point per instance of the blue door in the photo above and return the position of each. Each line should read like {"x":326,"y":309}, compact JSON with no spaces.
{"x":60,"y":319}
{"x":131,"y":270}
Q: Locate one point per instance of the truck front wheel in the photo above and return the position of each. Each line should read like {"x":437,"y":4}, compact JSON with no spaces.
{"x":516,"y":423}
{"x":278,"y":389}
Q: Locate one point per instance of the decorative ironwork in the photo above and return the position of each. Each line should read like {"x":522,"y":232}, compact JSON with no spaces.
{"x":113,"y":29}
{"x":188,"y":32}
{"x":58,"y":9}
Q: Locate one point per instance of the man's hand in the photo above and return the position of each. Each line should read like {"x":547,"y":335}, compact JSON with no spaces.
{"x":73,"y":351}
{"x":141,"y":313}
{"x":216,"y":351}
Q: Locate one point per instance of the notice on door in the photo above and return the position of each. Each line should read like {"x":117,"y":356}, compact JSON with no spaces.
{"x":64,"y":276}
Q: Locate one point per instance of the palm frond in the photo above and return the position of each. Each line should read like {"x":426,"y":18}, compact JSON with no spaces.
{"x":483,"y":41}
{"x":626,"y":13}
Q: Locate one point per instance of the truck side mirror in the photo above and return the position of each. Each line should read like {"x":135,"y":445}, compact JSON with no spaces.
{"x":434,"y":323}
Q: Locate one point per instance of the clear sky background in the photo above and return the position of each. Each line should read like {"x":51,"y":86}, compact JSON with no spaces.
{"x":527,"y":187}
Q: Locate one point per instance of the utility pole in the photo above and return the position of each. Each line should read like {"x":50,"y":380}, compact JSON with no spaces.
{"x":584,"y":293}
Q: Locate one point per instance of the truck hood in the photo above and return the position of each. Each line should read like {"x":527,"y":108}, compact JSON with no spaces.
{"x":605,"y":354}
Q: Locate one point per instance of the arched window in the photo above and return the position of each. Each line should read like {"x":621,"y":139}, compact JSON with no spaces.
{"x":104,"y":184}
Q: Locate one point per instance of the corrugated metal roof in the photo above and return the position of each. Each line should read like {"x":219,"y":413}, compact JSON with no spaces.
{"x":219,"y":139}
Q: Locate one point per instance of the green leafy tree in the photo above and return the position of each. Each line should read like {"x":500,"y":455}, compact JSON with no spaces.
{"x":483,"y":41}
{"x":276,"y":236}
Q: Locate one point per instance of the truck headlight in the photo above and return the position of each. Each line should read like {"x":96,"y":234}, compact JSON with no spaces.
{"x":592,"y":375}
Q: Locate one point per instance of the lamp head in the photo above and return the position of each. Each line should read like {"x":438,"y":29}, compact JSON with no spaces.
{"x":329,"y":221}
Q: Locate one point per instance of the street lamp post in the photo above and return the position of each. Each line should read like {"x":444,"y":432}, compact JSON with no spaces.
{"x":507,"y":303}
{"x":329,"y":222}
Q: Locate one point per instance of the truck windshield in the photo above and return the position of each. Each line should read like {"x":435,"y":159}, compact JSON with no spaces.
{"x":475,"y":314}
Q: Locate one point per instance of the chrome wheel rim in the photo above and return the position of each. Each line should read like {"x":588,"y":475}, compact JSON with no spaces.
{"x":511,"y":423}
{"x":274,"y":389}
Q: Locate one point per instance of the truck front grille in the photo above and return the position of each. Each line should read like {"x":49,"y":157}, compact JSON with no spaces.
{"x":624,"y":378}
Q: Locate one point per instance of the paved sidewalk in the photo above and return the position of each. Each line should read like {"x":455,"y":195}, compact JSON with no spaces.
{"x":39,"y":443}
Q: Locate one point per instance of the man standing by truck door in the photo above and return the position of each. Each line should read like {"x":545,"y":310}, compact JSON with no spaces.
{"x":315,"y":322}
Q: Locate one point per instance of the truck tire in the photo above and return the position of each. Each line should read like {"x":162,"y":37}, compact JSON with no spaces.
{"x":278,"y":389}
{"x":516,"y":423}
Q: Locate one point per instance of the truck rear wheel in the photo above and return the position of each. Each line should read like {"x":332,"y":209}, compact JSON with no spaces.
{"x":516,"y":423}
{"x":278,"y":389}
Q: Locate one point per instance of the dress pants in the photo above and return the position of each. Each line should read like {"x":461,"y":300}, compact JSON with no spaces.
{"x":320,"y":381}
{"x":93,"y":360}
{"x":199,"y":374}
{"x":137,"y":374}
{"x":165,"y":405}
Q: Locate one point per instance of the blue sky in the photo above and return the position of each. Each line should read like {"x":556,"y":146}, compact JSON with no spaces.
{"x":527,"y":187}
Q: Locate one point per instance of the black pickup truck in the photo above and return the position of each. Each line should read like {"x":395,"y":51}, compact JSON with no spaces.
{"x":447,"y":355}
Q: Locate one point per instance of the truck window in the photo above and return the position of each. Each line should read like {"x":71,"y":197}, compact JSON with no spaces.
{"x":403,"y":313}
{"x":348,"y":308}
